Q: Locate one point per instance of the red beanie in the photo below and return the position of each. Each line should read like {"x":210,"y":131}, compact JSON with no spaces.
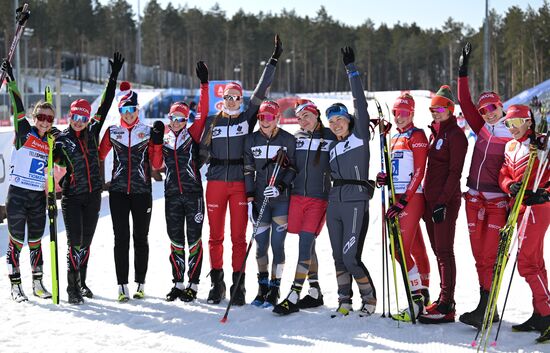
{"x":180,"y":107}
{"x":233,"y":85}
{"x":518,"y":111}
{"x":444,"y":98}
{"x":405,"y":102}
{"x":127,"y":97}
{"x":487,"y":98}
{"x":269,"y":108}
{"x":81,"y":107}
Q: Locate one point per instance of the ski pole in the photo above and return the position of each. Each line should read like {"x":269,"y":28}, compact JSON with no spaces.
{"x":276,"y":169}
{"x":24,"y":14}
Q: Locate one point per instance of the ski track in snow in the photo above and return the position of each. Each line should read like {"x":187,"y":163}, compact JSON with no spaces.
{"x":154,"y":325}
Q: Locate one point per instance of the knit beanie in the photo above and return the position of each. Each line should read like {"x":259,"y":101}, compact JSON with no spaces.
{"x":444,"y":98}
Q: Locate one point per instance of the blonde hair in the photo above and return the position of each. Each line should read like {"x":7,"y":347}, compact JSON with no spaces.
{"x":42,"y":105}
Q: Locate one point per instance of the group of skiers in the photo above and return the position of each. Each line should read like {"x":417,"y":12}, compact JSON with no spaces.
{"x":283,"y":183}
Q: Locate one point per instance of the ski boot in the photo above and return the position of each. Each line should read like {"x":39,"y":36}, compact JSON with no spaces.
{"x":475,"y":318}
{"x":418,"y":307}
{"x":545,"y":329}
{"x":123,"y":293}
{"x":140,"y":291}
{"x":84,"y":290}
{"x":273,"y":295}
{"x":175,"y":292}
{"x":313,"y":299}
{"x":263,"y":288}
{"x":17,"y":293}
{"x":38,"y":288}
{"x":344,"y":308}
{"x":290,"y":304}
{"x":367,"y":309}
{"x":73,"y":287}
{"x":532,"y":324}
{"x":438,"y":313}
{"x":426,"y":294}
{"x":240,"y":293}
{"x":217,"y":291}
{"x":190,"y":293}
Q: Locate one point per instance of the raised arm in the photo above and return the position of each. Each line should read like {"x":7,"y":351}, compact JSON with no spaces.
{"x":263,"y":84}
{"x":202,"y":112}
{"x":471,"y":114}
{"x":105,"y":145}
{"x":361,"y":116}
{"x":20,"y":124}
{"x":108,"y":95}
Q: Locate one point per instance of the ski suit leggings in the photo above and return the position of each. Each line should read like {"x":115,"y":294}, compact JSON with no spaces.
{"x":273,"y":224}
{"x":347,"y":226}
{"x":185,"y":212}
{"x":413,"y":241}
{"x":80,"y":214}
{"x":139,"y":205}
{"x":531,"y":257}
{"x":25,"y":208}
{"x":485,"y":218}
{"x":218,"y":194}
{"x":442,"y":236}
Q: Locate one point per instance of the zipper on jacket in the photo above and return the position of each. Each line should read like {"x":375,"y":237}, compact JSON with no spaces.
{"x":129,"y":159}
{"x":227,"y":149}
{"x":84,"y":153}
{"x":177,"y":164}
{"x":307,"y":163}
{"x":483,"y":161}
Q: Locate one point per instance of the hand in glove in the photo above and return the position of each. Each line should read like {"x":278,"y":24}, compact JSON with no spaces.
{"x":271,"y":191}
{"x":463,"y":61}
{"x":52,"y":205}
{"x":514,"y":188}
{"x":202,"y":72}
{"x":278,"y":50}
{"x":396,"y":209}
{"x":537,"y":198}
{"x":6,"y":67}
{"x":382,"y":179}
{"x":22,"y":16}
{"x":348,"y":56}
{"x":439,"y":213}
{"x":252,"y":212}
{"x":157,"y":133}
{"x":116,"y":64}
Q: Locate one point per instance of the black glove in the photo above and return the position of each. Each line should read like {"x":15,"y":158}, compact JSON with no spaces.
{"x":278,"y":50}
{"x":116,"y":64}
{"x":202,"y":72}
{"x":537,"y":198}
{"x":20,"y":16}
{"x":6,"y":67}
{"x":439,"y":213}
{"x":463,"y":61}
{"x":348,"y":56}
{"x":52,"y":205}
{"x":157,"y":133}
{"x":514,"y":188}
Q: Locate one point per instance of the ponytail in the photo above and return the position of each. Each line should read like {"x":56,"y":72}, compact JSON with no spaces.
{"x":321,"y":141}
{"x":208,"y":139}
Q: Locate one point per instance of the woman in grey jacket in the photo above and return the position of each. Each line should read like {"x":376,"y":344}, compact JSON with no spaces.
{"x":348,"y":213}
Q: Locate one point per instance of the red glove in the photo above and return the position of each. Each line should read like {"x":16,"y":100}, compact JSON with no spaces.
{"x":381,"y":179}
{"x":396,"y":209}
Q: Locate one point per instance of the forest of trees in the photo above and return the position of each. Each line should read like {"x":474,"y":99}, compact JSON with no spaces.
{"x":403,"y":56}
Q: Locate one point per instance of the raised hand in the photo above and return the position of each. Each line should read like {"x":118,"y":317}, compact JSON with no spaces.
{"x":6,"y":67}
{"x":202,"y":72}
{"x":116,"y":63}
{"x":348,"y":56}
{"x":278,"y":50}
{"x":463,"y":61}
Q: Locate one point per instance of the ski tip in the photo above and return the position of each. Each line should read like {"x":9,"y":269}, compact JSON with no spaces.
{"x":494,"y":344}
{"x":473,"y":344}
{"x":223,"y":320}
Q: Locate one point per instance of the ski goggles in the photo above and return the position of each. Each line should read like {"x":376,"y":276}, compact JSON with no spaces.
{"x":231,"y":98}
{"x":337,"y":110}
{"x":515,"y":122}
{"x":438,"y":109}
{"x":79,"y":118}
{"x":489,"y":108}
{"x":403,"y":113}
{"x":177,"y":119}
{"x":44,"y":117}
{"x":127,"y":109}
{"x":267,"y":117}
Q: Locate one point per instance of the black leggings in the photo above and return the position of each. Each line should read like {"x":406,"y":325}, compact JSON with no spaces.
{"x":139,"y":205}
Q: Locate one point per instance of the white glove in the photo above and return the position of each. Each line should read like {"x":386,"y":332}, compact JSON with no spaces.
{"x":271,"y":191}
{"x":251,"y":213}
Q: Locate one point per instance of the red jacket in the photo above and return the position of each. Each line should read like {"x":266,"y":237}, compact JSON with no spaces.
{"x":448,"y":147}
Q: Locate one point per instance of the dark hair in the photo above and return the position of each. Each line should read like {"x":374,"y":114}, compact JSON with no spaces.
{"x":321,"y":140}
{"x":208,"y":139}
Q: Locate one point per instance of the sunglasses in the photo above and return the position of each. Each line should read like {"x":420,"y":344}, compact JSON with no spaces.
{"x":438,"y":109}
{"x":79,"y":118}
{"x":489,"y":108}
{"x":267,"y":117}
{"x":231,"y":98}
{"x":515,"y":122}
{"x":177,"y":119}
{"x":127,"y":109}
{"x":44,"y":117}
{"x":401,"y":113}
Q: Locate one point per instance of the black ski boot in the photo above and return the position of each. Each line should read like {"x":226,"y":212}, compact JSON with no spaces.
{"x":475,"y":317}
{"x":314,"y":297}
{"x":263,"y":288}
{"x":175,"y":292}
{"x":217,"y":290}
{"x":532,"y":324}
{"x":240,"y":294}
{"x":273,"y":295}
{"x":84,"y":290}
{"x":73,"y":288}
{"x":544,"y":323}
{"x":190,"y":293}
{"x":290,"y":304}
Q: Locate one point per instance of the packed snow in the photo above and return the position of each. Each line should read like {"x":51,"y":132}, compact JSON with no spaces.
{"x":154,"y":325}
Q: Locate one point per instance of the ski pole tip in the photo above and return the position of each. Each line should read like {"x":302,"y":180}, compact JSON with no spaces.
{"x":223,"y":320}
{"x":473,"y":344}
{"x":494,"y":344}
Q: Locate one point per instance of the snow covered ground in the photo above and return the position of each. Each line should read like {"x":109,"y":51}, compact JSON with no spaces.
{"x":154,"y":325}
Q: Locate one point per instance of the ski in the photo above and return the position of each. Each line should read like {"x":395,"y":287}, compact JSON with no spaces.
{"x":22,"y":15}
{"x":394,"y":230}
{"x":52,"y":210}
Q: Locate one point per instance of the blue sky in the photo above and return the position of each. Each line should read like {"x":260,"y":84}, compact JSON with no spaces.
{"x":426,"y":13}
